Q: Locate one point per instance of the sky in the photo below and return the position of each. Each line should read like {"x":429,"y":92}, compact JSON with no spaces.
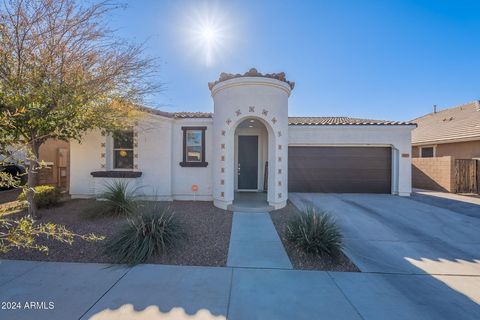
{"x":376,"y":59}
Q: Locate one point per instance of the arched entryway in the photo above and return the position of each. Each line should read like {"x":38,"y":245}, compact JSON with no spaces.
{"x":251,"y":165}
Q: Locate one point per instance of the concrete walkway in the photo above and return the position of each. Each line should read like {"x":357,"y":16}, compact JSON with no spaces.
{"x":95,"y":291}
{"x":254,"y":243}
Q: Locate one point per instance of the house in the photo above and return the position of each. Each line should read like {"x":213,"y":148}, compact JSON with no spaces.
{"x":55,"y":156}
{"x":445,"y":145}
{"x":451,"y":132}
{"x":249,"y":143}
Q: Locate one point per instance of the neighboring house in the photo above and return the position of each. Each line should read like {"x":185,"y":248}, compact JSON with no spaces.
{"x":55,"y":156}
{"x":451,"y":132}
{"x":445,"y":142}
{"x":54,"y":159}
{"x":249,"y":143}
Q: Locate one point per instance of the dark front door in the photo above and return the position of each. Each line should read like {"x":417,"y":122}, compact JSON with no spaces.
{"x":247,"y":162}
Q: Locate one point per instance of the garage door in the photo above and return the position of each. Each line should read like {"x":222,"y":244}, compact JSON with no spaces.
{"x":339,"y":169}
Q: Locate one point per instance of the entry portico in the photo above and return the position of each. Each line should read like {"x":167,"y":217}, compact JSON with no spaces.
{"x":237,"y":101}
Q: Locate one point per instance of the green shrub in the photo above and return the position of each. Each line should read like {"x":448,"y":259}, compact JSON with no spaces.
{"x":315,"y":232}
{"x":45,"y":196}
{"x":148,"y":233}
{"x":118,"y":199}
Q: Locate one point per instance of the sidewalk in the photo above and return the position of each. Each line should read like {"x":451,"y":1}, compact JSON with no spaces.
{"x":96,"y":291}
{"x":254,"y":243}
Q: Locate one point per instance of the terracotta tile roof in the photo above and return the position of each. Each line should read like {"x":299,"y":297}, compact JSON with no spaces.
{"x":322,"y":121}
{"x":458,"y":123}
{"x":292,"y":121}
{"x":251,"y":73}
{"x":182,"y":115}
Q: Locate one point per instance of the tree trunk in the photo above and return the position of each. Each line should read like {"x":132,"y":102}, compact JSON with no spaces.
{"x":32,"y":181}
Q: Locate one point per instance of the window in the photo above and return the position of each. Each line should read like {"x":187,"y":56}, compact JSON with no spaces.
{"x":194,"y":147}
{"x":426,"y":152}
{"x":123,"y":150}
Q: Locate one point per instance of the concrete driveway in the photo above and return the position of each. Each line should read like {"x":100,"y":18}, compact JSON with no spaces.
{"x":394,"y":235}
{"x":391,"y":234}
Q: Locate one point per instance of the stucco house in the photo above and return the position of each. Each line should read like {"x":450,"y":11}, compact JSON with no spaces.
{"x":248,"y":143}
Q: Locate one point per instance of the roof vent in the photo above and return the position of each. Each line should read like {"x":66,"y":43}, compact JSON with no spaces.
{"x":477,"y":105}
{"x":434,"y":108}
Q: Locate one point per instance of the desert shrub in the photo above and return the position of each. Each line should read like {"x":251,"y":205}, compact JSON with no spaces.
{"x":315,"y":232}
{"x":118,"y":199}
{"x":45,"y":196}
{"x":147,"y":233}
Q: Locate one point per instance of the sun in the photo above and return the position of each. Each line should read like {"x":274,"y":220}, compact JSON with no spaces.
{"x":210,"y":32}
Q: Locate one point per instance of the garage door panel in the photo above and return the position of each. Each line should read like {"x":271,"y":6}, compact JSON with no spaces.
{"x":339,"y":169}
{"x":333,"y":175}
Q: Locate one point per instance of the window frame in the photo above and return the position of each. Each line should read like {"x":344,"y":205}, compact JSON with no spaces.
{"x":427,"y":147}
{"x":127,"y":149}
{"x":185,"y":162}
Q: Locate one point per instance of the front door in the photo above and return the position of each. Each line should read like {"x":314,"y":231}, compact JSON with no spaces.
{"x":247,"y":162}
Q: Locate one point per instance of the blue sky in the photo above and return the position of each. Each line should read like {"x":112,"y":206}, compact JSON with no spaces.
{"x":375,"y":59}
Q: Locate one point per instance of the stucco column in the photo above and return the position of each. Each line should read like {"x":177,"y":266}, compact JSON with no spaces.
{"x":240,"y":98}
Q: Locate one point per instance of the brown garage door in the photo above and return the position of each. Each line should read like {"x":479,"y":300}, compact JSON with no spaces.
{"x":339,"y":169}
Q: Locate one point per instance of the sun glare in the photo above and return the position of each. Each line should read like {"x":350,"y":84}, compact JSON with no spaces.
{"x":209,"y":34}
{"x":209,"y":31}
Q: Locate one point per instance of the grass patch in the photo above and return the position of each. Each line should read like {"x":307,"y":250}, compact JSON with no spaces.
{"x":150,"y":230}
{"x":315,"y":232}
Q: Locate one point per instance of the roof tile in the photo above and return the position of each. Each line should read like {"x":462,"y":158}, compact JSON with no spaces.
{"x":461,"y":122}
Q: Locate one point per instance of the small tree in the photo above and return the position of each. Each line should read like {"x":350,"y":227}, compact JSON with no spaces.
{"x":66,"y":72}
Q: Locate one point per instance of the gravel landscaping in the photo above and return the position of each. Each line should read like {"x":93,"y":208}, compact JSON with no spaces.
{"x":207,"y":228}
{"x":301,"y":260}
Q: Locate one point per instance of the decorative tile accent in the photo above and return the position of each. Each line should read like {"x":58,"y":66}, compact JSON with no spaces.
{"x":251,"y":109}
{"x":102,"y":144}
{"x":274,"y":120}
{"x":265,"y":112}
{"x":136,"y":123}
{"x":222,"y":146}
{"x":279,"y":147}
{"x":222,"y":194}
{"x":238,"y":112}
{"x":228,"y":122}
{"x":135,"y":134}
{"x":224,"y":132}
{"x":222,"y":158}
{"x":279,"y":195}
{"x":102,"y":155}
{"x":222,"y":170}
{"x":102,"y":166}
{"x":135,"y":145}
{"x":103,"y":133}
{"x":136,"y":155}
{"x":279,"y":183}
{"x":279,"y":159}
{"x":279,"y":133}
{"x":279,"y":171}
{"x":136,"y":166}
{"x":222,"y":182}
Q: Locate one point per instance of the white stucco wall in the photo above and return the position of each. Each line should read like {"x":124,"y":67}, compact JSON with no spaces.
{"x":151,"y":155}
{"x":397,"y":137}
{"x":242,"y":98}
